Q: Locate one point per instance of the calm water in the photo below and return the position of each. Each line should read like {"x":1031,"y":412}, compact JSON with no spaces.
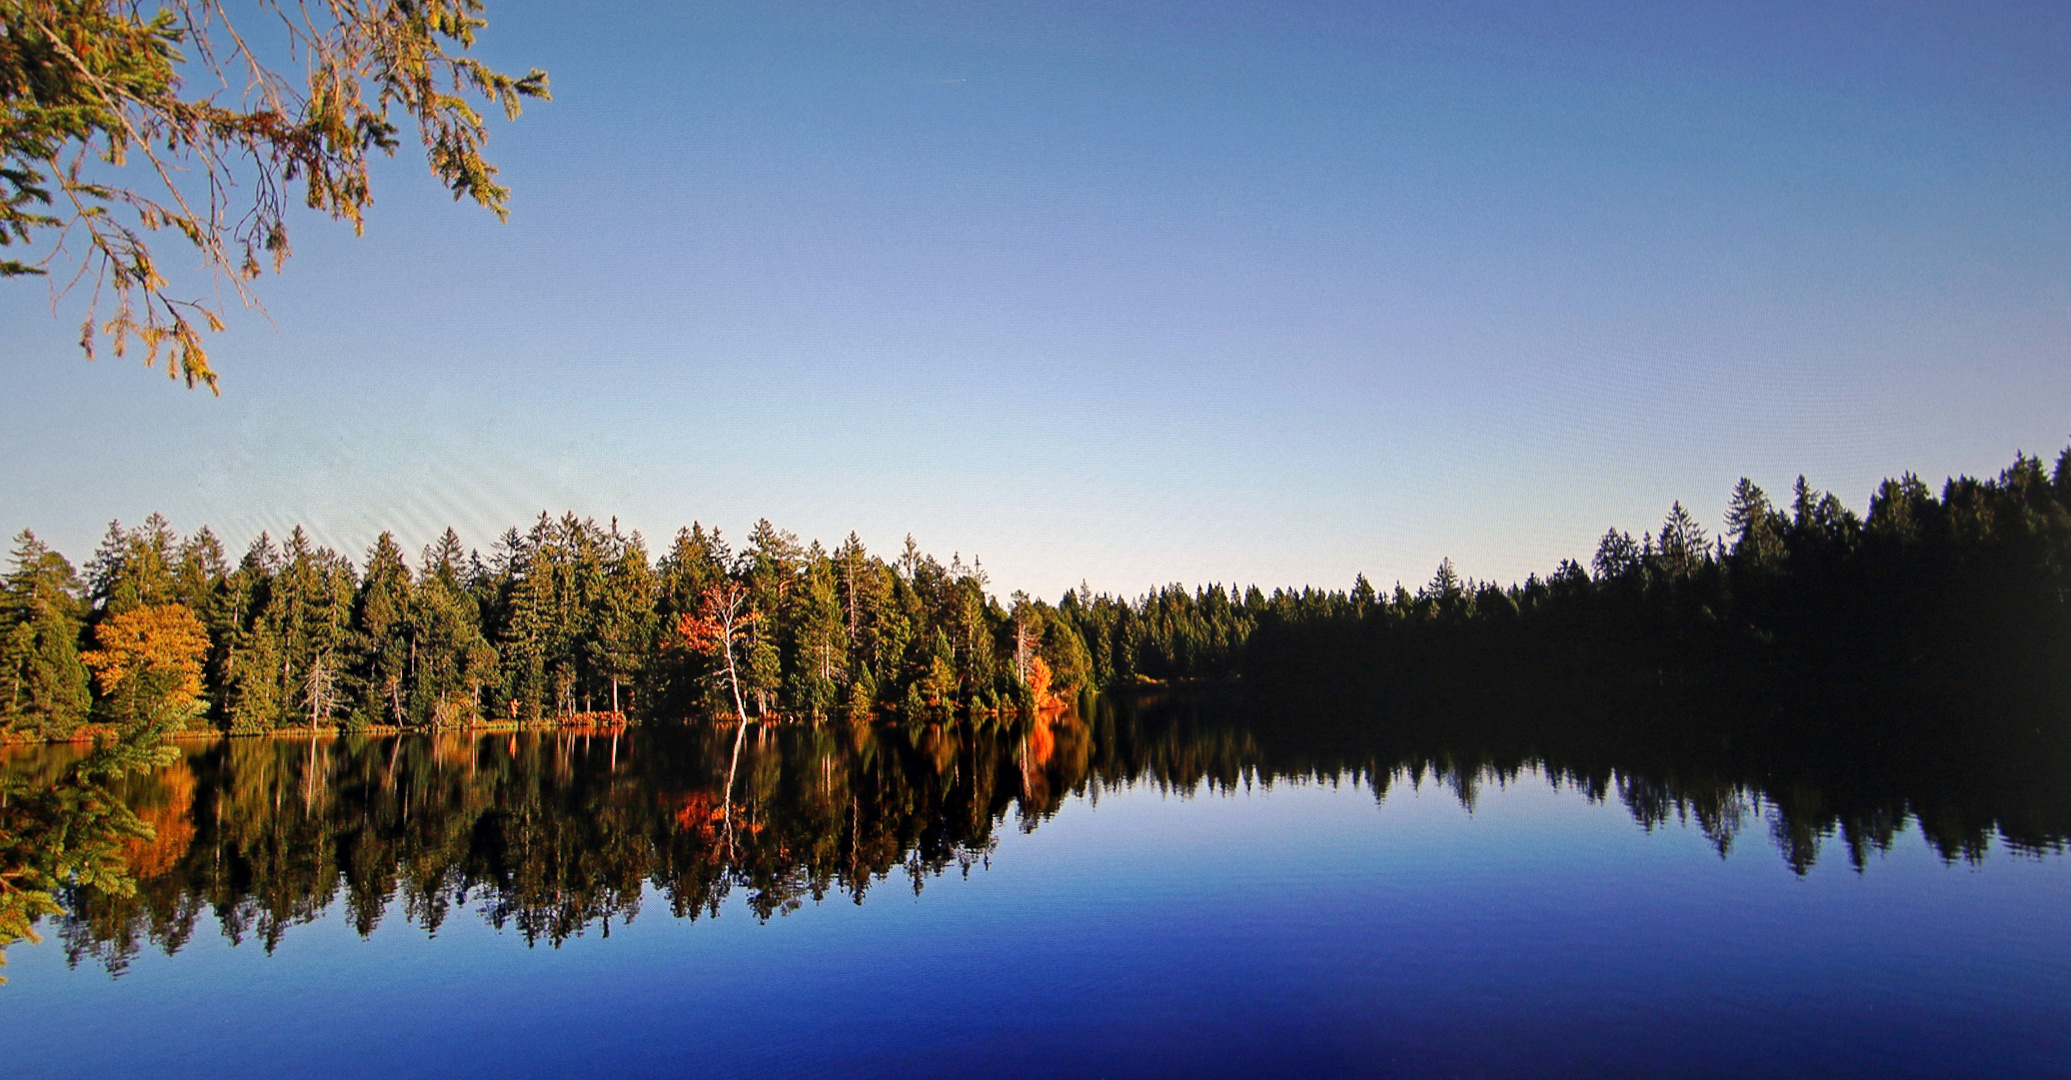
{"x":1132,"y":894}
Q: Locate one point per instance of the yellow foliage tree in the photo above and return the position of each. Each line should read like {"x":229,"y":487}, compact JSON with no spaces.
{"x":150,"y":662}
{"x":1039,"y":681}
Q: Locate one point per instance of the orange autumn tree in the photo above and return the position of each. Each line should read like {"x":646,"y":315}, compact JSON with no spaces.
{"x":1039,"y":686}
{"x":149,"y":664}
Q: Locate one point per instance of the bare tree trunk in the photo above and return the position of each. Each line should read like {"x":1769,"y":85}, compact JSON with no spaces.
{"x":739,"y":733}
{"x":848,"y":566}
{"x":309,"y":772}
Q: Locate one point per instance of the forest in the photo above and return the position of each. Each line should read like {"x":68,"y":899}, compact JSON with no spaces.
{"x":1961,"y":596}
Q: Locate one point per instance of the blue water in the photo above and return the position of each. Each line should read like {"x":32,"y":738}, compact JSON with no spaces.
{"x":1296,"y":929}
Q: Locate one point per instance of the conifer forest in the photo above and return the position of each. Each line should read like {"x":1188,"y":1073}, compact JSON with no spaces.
{"x":1958,"y":595}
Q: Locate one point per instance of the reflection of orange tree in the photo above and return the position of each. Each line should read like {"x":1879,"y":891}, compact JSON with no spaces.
{"x":163,"y":801}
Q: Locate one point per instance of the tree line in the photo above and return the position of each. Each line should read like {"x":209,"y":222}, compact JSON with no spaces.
{"x":570,"y":620}
{"x":567,"y":620}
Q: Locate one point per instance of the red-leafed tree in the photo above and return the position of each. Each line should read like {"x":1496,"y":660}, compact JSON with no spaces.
{"x":724,"y":615}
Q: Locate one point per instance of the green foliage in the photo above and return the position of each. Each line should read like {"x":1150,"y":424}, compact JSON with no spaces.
{"x":133,"y":568}
{"x":70,"y":830}
{"x":290,"y":657}
{"x":40,"y":673}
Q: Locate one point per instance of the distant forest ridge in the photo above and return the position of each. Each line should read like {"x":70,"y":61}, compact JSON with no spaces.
{"x":570,"y":620}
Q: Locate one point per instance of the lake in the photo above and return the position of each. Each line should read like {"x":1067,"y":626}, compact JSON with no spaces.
{"x":1146,"y":889}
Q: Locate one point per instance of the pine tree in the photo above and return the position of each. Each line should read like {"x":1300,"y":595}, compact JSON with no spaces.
{"x":1362,"y":595}
{"x":526,"y":641}
{"x":133,"y":567}
{"x":1445,"y":586}
{"x":320,"y":589}
{"x":582,"y":604}
{"x":451,"y":658}
{"x":626,"y":622}
{"x":291,"y":661}
{"x":1756,"y":527}
{"x":1901,"y":511}
{"x":1617,"y":557}
{"x":198,"y":571}
{"x":1684,"y":546}
{"x":818,"y":649}
{"x":44,"y":682}
{"x":252,"y":696}
{"x":769,"y":567}
{"x":383,"y":644}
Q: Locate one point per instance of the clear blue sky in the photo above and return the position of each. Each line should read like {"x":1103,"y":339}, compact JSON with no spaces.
{"x":1135,"y":293}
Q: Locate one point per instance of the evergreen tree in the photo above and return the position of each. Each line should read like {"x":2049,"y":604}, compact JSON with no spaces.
{"x":626,"y":620}
{"x":253,"y":695}
{"x":1362,"y":595}
{"x":1902,"y":511}
{"x":44,"y":682}
{"x":1617,"y":557}
{"x":1445,"y":588}
{"x":1684,"y":547}
{"x":818,"y":632}
{"x":292,"y":661}
{"x":1756,"y":527}
{"x":133,"y":567}
{"x":528,"y":641}
{"x":383,"y":640}
{"x":451,"y":658}
{"x":769,"y":568}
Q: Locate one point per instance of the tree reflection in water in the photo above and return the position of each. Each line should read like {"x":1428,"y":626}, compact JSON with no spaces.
{"x":554,"y":833}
